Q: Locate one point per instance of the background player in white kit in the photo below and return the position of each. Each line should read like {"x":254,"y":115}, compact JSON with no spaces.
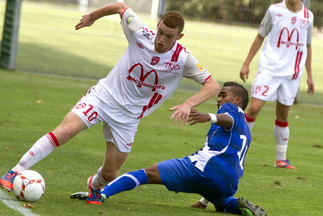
{"x":146,"y":75}
{"x":286,"y":51}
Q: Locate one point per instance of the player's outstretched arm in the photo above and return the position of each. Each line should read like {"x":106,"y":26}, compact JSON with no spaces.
{"x":223,"y":120}
{"x":90,"y":18}
{"x":182,"y":111}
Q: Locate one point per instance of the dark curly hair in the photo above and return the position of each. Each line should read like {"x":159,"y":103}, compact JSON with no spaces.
{"x":239,"y":90}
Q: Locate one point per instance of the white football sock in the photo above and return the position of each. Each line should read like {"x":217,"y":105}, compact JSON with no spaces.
{"x":43,"y":147}
{"x":281,"y":136}
{"x":250,"y":121}
{"x":98,"y":180}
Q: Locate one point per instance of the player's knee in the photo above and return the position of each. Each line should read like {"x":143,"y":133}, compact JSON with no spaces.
{"x":63,"y":134}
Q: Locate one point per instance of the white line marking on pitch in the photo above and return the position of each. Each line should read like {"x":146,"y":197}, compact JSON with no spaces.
{"x":14,"y":204}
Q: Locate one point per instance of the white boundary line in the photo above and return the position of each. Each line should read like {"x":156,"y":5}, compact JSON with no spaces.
{"x":14,"y":204}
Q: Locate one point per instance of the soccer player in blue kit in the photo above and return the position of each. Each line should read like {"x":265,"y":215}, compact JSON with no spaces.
{"x":214,"y":170}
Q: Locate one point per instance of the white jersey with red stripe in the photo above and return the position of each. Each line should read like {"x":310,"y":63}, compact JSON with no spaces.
{"x":285,"y":50}
{"x":143,"y":79}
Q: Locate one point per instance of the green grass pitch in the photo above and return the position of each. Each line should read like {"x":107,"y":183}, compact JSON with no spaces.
{"x":32,"y":105}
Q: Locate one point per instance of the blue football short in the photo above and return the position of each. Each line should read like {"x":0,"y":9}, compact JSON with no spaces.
{"x":180,"y":175}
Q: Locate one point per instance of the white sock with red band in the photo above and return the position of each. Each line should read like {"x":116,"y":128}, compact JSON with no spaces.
{"x":43,"y":147}
{"x":281,"y":131}
{"x":250,"y":121}
{"x":98,"y":180}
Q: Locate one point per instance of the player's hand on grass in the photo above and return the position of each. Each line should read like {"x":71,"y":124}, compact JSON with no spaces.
{"x":86,"y":20}
{"x":181,"y":113}
{"x":199,"y":205}
{"x":198,"y":117}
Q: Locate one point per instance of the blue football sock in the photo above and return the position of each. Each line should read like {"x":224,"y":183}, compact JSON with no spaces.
{"x":125,"y":182}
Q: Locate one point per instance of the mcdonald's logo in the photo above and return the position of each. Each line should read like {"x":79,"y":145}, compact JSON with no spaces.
{"x":289,"y":38}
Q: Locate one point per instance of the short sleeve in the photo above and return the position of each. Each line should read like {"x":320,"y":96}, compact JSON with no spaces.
{"x":309,"y":35}
{"x":130,"y":23}
{"x":310,"y":28}
{"x":265,"y":25}
{"x":193,"y":70}
{"x":230,"y":110}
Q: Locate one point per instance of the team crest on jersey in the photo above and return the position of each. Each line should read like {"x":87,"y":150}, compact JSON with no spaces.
{"x":154,"y":60}
{"x":129,"y":19}
{"x":140,"y":45}
{"x":294,"y":19}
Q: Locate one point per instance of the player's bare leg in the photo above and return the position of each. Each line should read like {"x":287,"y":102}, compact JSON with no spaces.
{"x":153,"y":175}
{"x":113,"y":161}
{"x":70,"y":126}
{"x":255,"y":107}
{"x":282,"y":112}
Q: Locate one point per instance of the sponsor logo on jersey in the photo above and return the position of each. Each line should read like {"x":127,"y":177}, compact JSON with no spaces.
{"x":294,"y":19}
{"x":141,"y":81}
{"x":289,"y":36}
{"x":304,"y":23}
{"x":147,"y":33}
{"x":200,"y":67}
{"x":129,"y":19}
{"x":172,"y":66}
{"x":262,"y":23}
{"x":279,"y":15}
{"x":154,"y":60}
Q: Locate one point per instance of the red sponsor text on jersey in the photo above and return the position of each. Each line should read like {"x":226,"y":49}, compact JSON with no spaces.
{"x":141,"y":81}
{"x":289,"y":38}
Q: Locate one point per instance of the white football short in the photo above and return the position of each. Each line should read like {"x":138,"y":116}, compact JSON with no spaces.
{"x":271,"y":88}
{"x":118,"y":128}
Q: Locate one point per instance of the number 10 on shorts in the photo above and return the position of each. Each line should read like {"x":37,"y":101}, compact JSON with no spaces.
{"x":87,"y":111}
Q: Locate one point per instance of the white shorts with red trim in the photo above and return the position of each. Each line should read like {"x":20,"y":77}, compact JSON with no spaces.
{"x":118,"y":128}
{"x":271,"y":88}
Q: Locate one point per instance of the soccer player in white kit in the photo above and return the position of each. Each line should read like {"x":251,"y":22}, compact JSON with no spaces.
{"x":288,"y":27}
{"x":146,"y":75}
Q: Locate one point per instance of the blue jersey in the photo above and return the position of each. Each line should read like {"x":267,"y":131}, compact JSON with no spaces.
{"x":223,"y":154}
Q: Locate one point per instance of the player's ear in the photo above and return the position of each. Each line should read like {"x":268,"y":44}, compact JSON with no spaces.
{"x":180,"y":36}
{"x":238,"y":101}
